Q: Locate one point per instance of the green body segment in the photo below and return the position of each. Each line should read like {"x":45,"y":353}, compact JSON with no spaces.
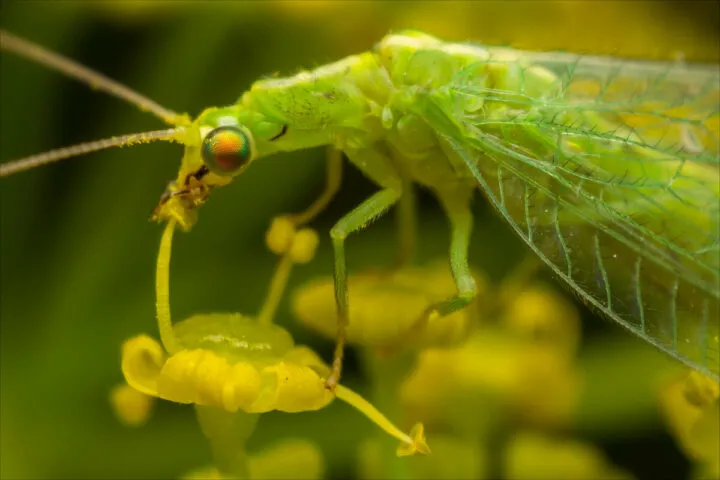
{"x":608,"y":169}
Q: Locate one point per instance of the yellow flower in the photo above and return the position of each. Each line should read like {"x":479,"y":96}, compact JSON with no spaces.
{"x":523,"y":363}
{"x":691,"y":404}
{"x":131,"y":406}
{"x":387,"y":308}
{"x":452,"y":458}
{"x":232,"y":367}
{"x":532,"y":456}
{"x":290,"y":459}
{"x":230,"y":362}
{"x":469,"y":387}
{"x":518,"y":351}
{"x":543,"y":316}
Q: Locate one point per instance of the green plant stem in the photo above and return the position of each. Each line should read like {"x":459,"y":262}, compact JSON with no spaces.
{"x":228,"y":433}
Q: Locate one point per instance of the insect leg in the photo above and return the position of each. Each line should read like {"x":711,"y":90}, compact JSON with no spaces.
{"x":379,"y":168}
{"x":370,"y":209}
{"x":458,"y":210}
{"x":332,"y":185}
{"x":406,"y":225}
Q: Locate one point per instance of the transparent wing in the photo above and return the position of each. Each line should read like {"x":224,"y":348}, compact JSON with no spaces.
{"x":609,"y":170}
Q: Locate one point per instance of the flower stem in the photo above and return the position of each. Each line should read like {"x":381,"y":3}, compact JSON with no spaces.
{"x":228,"y":433}
{"x":277,"y":287}
{"x":387,"y":372}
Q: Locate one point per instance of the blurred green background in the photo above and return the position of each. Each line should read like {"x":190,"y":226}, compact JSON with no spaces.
{"x":78,"y":252}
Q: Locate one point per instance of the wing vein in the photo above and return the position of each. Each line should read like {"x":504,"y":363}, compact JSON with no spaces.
{"x":704,"y":332}
{"x":631,"y":228}
{"x":469,"y":162}
{"x":638,"y":293}
{"x":561,"y":239}
{"x":603,"y":272}
{"x":673,"y":310}
{"x":501,"y":187}
{"x":527,"y":213}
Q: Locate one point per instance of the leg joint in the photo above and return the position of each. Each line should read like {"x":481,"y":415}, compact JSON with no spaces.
{"x":337,"y":234}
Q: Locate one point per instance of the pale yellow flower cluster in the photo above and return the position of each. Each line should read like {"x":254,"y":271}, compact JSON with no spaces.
{"x":505,"y":366}
{"x":691,"y":404}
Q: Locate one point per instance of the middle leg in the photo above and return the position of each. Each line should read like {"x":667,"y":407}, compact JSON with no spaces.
{"x":406,"y":218}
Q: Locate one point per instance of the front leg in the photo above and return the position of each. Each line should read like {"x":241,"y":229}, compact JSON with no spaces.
{"x":333,"y":177}
{"x":379,"y":168}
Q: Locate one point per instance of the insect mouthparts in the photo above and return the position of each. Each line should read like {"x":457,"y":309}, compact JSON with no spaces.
{"x":199,"y":174}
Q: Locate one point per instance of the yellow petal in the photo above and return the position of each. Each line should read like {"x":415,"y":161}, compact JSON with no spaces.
{"x":290,"y":460}
{"x":207,"y":473}
{"x":298,"y":388}
{"x":532,"y":456}
{"x":280,"y":236}
{"x":142,"y":361}
{"x":210,"y":376}
{"x":387,"y":307}
{"x":543,"y":316}
{"x":549,"y":388}
{"x":293,"y":385}
{"x":449,"y":386}
{"x":177,"y":381}
{"x":453,"y":458}
{"x":705,"y":438}
{"x":692,"y":410}
{"x":242,"y":387}
{"x":700,"y":390}
{"x":304,"y":246}
{"x":131,"y":407}
{"x":206,"y":378}
{"x":305,"y":356}
{"x":417,"y":445}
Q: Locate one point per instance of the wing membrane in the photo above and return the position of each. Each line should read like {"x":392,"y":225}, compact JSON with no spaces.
{"x":609,"y":170}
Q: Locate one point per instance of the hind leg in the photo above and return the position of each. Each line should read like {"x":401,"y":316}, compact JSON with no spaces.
{"x":457,"y":208}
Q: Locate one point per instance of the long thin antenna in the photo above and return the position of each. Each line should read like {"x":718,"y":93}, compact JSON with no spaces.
{"x":22,"y":164}
{"x":31,"y":51}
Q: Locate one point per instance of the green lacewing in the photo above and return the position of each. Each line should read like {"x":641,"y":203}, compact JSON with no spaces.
{"x":607,"y":168}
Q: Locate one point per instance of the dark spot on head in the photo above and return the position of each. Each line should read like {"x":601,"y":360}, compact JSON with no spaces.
{"x":282,"y":132}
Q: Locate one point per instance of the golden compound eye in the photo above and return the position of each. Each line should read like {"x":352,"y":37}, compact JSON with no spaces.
{"x":226,"y":150}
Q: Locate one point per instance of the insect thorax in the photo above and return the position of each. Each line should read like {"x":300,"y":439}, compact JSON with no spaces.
{"x":378,"y":99}
{"x":420,"y":67}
